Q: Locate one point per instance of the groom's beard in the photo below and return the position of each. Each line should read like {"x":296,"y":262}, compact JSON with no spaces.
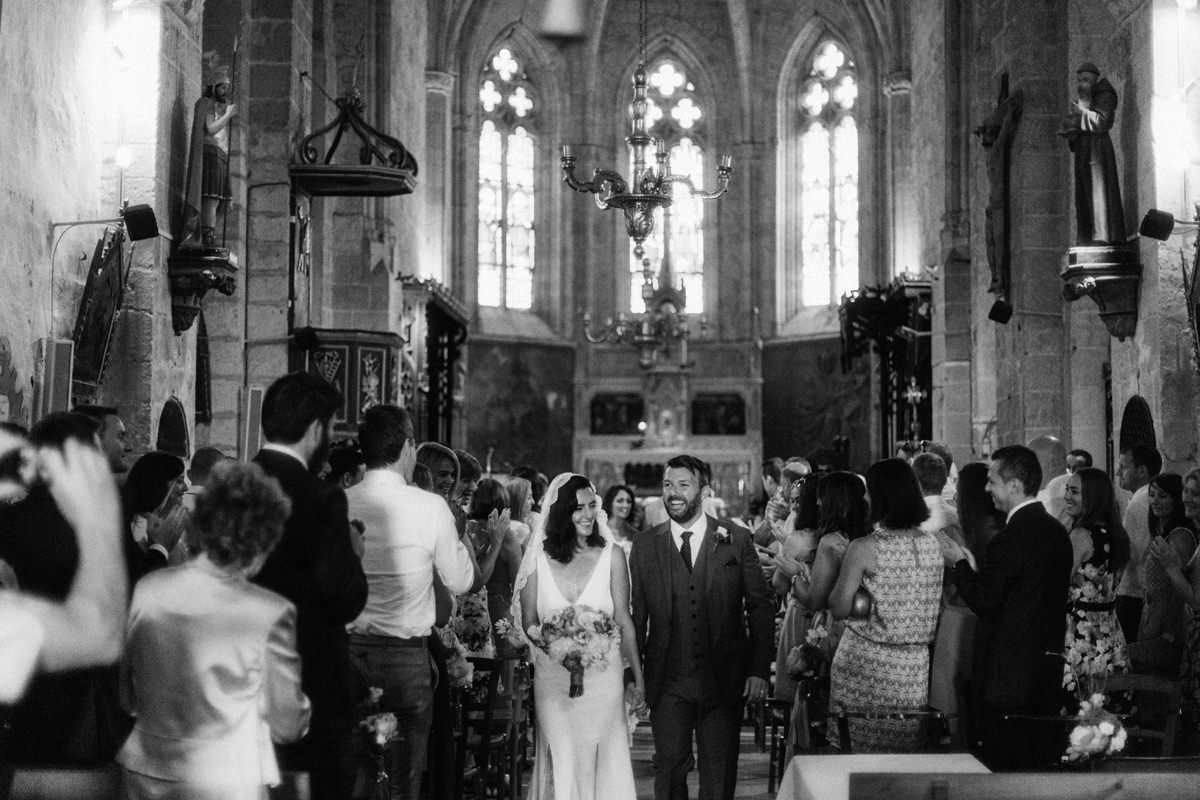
{"x":689,"y":512}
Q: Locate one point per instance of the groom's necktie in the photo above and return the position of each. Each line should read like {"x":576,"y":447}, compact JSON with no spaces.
{"x":685,"y":549}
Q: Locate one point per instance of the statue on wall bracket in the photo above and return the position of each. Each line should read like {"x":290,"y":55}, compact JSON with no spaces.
{"x":201,"y":260}
{"x":996,"y":134}
{"x":1103,"y":264}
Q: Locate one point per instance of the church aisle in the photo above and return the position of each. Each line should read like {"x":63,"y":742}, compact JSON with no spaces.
{"x":752,"y":768}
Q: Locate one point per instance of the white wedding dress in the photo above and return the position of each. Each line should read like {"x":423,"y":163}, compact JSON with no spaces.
{"x":582,"y":742}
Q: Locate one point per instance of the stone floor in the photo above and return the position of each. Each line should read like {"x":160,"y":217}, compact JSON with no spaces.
{"x":752,"y":768}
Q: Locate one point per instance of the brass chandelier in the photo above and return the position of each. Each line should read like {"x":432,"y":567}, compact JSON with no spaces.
{"x":663,"y":324}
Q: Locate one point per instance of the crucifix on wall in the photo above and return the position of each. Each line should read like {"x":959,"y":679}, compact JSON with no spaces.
{"x":996,"y":135}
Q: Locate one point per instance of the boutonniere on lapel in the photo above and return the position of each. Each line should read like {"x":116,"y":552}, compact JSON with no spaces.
{"x":720,"y":536}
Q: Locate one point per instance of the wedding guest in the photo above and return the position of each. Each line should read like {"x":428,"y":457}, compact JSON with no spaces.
{"x":977,"y":514}
{"x":952,"y":652}
{"x":1018,"y":593}
{"x":619,"y":504}
{"x":82,"y":628}
{"x":410,"y":539}
{"x":520,"y":498}
{"x":774,"y":527}
{"x":346,"y":464}
{"x":422,"y":478}
{"x":1100,"y":550}
{"x":316,"y":568}
{"x":1136,"y":467}
{"x":794,"y":555}
{"x":469,"y":473}
{"x":210,"y":670}
{"x":113,"y":441}
{"x":883,"y":661}
{"x":69,"y":718}
{"x":1077,"y":459}
{"x":1184,"y":575}
{"x":490,"y":511}
{"x":155,"y":517}
{"x":842,"y":502}
{"x":1163,"y":626}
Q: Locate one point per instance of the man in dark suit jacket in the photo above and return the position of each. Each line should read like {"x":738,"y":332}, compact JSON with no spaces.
{"x":314,"y":566}
{"x":1020,"y":595}
{"x":704,"y":622}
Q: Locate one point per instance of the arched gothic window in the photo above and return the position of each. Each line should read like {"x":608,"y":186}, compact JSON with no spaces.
{"x":829,"y":178}
{"x":676,"y":115}
{"x":506,"y":181}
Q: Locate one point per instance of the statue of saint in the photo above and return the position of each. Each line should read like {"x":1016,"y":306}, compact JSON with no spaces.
{"x":996,"y":135}
{"x":207,"y":185}
{"x":1099,"y":215}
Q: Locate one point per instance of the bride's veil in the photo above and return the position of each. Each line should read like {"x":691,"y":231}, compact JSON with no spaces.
{"x":536,"y":546}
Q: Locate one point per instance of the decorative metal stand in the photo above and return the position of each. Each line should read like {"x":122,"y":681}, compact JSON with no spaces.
{"x":385,"y":168}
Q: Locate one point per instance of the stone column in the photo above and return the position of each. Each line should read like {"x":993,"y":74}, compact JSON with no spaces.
{"x":434,"y":190}
{"x":275,"y":117}
{"x":1030,"y":400}
{"x":905,"y":244}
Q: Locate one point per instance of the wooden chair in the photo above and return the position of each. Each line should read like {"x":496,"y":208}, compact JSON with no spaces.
{"x":1157,"y":693}
{"x":927,"y":717}
{"x":483,"y":735}
{"x":779,"y":715}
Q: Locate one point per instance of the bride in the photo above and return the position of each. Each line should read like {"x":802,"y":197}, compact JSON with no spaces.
{"x":582,"y":742}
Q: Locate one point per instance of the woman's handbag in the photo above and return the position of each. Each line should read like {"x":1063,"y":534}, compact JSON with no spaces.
{"x":861,"y":604}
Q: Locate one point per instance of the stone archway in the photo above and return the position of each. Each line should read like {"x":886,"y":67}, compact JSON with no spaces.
{"x":173,"y":430}
{"x":1137,"y":425}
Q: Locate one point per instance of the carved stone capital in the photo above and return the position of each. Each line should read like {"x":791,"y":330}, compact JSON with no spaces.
{"x":898,"y":82}
{"x":1111,"y":275}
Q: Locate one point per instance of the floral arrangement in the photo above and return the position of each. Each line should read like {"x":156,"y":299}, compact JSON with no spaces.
{"x":508,"y":636}
{"x":578,"y":638}
{"x":809,"y":660}
{"x":473,"y":625}
{"x":458,"y":668}
{"x":1093,"y":651}
{"x":379,"y":729}
{"x":1099,"y":732}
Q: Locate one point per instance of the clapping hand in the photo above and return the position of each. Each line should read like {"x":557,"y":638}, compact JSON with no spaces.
{"x":789,"y":566}
{"x":498,"y":522}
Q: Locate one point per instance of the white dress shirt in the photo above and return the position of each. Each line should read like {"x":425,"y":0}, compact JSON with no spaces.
{"x":1137,"y":525}
{"x":1018,"y":507}
{"x":409,"y":534}
{"x":698,"y":528}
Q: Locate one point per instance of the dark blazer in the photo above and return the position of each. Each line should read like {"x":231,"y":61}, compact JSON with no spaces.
{"x":314,"y":566}
{"x":1020,"y":595}
{"x":739,"y":608}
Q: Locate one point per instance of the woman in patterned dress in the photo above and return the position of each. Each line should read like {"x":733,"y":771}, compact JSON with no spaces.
{"x":1094,"y":646}
{"x":882,"y":661}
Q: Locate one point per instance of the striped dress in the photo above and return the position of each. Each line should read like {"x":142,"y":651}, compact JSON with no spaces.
{"x":882,"y":663}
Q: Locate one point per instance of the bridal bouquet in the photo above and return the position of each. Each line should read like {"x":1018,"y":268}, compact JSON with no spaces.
{"x":1099,"y":732}
{"x":578,"y":638}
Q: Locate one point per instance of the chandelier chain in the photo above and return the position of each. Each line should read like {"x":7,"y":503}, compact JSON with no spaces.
{"x":642,"y":28}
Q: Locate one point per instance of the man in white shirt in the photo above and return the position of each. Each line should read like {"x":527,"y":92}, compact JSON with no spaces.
{"x":409,"y":533}
{"x":1136,"y":467}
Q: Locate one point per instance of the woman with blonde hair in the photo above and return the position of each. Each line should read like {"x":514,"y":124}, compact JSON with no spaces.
{"x":210,"y":670}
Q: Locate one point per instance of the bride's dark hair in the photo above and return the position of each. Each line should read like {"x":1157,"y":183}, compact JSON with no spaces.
{"x":561,"y":540}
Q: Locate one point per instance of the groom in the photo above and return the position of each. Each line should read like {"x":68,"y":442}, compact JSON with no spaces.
{"x":704,"y":623}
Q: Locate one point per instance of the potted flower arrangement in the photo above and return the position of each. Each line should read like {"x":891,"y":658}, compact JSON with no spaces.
{"x":1098,"y":733}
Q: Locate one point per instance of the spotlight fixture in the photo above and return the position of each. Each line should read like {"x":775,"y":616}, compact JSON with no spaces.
{"x":1161,"y":224}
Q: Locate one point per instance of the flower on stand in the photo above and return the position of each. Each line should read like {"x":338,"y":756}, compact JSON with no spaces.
{"x":1099,"y":732}
{"x":578,"y":638}
{"x":509,"y":638}
{"x":379,"y":728}
{"x":473,"y":625}
{"x":458,"y":668}
{"x":382,"y":727}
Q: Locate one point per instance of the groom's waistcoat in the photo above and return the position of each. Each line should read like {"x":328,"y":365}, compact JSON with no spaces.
{"x":689,"y":619}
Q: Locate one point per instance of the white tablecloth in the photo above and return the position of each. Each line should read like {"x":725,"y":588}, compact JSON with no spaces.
{"x":828,"y":777}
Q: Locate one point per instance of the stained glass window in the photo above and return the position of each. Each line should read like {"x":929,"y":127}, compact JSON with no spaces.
{"x":675,"y":114}
{"x":828,"y":203}
{"x":506,"y":188}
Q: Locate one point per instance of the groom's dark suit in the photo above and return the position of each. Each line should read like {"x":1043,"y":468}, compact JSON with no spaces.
{"x":1020,"y":595}
{"x":701,"y":634}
